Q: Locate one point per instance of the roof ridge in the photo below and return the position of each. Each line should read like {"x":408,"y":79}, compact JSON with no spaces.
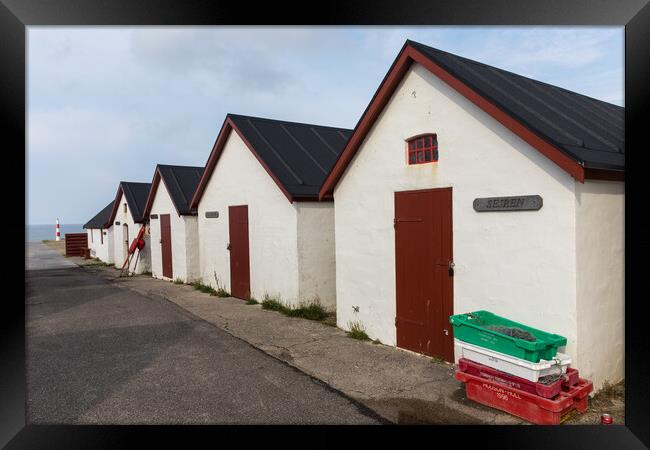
{"x":513,"y":73}
{"x":178,"y":165}
{"x":268,"y":119}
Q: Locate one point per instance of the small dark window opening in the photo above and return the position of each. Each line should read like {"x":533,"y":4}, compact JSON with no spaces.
{"x":101,"y":235}
{"x":91,"y":235}
{"x":423,"y":149}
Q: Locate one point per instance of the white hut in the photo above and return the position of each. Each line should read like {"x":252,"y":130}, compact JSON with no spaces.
{"x":127,"y":219}
{"x":173,"y":224}
{"x":465,"y":187}
{"x":261,"y":227}
{"x":100,"y":235}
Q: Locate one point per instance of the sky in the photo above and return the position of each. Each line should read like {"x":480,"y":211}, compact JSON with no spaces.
{"x":107,"y":104}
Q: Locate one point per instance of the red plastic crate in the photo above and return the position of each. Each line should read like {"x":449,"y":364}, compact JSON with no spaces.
{"x":543,"y":390}
{"x":530,"y":407}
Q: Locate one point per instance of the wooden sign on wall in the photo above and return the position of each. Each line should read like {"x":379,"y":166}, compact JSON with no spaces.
{"x":515,"y":203}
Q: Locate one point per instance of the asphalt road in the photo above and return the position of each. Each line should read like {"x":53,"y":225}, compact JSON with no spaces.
{"x":100,"y":354}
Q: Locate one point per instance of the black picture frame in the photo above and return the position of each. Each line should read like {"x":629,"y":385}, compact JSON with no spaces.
{"x":16,"y":15}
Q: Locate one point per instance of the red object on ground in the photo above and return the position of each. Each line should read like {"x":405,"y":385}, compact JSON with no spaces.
{"x":543,"y":390}
{"x":606,"y":419}
{"x":530,"y":407}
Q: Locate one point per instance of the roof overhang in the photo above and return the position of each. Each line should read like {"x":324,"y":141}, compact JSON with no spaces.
{"x":215,"y":154}
{"x":398,"y":69}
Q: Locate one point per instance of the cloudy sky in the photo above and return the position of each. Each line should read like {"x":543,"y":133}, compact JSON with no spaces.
{"x":108,"y":104}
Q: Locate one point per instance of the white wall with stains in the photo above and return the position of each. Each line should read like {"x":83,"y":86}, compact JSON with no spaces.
{"x":517,"y":264}
{"x":184,"y":236}
{"x":600,"y":251}
{"x":239,"y":179}
{"x":98,"y":249}
{"x":316,"y":252}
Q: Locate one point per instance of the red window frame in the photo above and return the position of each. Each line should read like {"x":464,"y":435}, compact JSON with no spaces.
{"x":422,"y":149}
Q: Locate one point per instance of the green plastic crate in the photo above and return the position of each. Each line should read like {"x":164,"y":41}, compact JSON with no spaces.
{"x":470,"y":328}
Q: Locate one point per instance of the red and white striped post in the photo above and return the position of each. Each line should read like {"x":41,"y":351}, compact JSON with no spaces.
{"x":58,"y":231}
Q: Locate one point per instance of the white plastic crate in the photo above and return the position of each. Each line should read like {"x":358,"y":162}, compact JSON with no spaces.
{"x":509,"y":364}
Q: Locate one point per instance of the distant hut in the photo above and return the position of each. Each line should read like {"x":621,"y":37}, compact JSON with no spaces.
{"x":261,"y":227}
{"x":127,"y":218}
{"x":100,"y":235}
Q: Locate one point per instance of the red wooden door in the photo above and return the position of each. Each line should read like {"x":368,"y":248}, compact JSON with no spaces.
{"x":166,"y":245}
{"x":240,"y":283}
{"x":424,"y":280}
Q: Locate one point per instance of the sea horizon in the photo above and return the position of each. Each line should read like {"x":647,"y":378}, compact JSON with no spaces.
{"x":41,"y":232}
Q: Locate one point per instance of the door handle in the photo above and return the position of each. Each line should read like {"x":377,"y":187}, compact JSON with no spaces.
{"x":228,"y":246}
{"x":446,"y":332}
{"x":451,"y":268}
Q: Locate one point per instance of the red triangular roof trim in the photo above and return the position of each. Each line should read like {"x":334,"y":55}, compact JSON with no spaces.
{"x":400,"y":66}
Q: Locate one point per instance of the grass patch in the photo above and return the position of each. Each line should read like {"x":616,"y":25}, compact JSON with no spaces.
{"x":204,"y":288}
{"x":146,"y":273}
{"x":221,"y":292}
{"x":357,"y":331}
{"x":274,"y":304}
{"x":252,"y":301}
{"x":178,"y":281}
{"x":312,"y":310}
{"x":437,"y":360}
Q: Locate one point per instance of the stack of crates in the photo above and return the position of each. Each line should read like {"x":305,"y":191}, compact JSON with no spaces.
{"x":517,"y":369}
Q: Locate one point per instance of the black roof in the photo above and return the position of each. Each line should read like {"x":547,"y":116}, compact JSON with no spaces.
{"x":181,"y":182}
{"x":136,"y":196}
{"x":590,"y":131}
{"x":300,"y":155}
{"x":102,"y":218}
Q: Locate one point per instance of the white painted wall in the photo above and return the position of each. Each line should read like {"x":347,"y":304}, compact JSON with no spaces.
{"x":316,"y":255}
{"x":600,"y":253}
{"x":144,"y":260}
{"x":97,"y":248}
{"x":110,"y":246}
{"x":239,"y":179}
{"x":517,"y":264}
{"x":184,"y":231}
